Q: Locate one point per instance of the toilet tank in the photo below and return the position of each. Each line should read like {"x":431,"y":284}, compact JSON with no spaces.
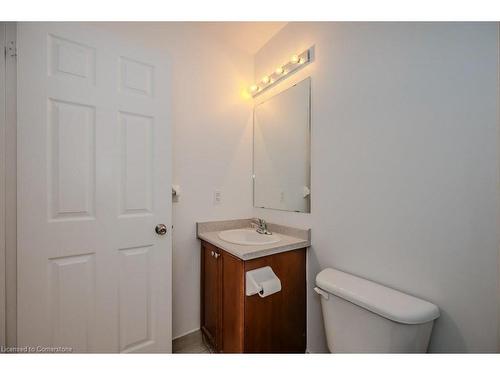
{"x":361,"y":316}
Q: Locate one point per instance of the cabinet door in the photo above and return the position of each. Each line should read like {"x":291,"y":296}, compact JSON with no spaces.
{"x":211,"y":294}
{"x":277,"y":323}
{"x":233,"y":303}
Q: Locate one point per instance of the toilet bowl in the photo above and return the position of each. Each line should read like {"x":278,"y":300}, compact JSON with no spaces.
{"x":361,"y":316}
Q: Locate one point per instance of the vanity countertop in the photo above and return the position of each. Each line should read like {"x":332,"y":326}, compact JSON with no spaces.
{"x":290,"y":238}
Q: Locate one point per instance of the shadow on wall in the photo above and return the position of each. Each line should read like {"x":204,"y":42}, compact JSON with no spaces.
{"x":455,"y":340}
{"x":316,"y":339}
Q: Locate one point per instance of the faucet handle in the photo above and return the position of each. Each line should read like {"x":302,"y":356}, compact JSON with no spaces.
{"x":257,"y":221}
{"x":262,"y":229}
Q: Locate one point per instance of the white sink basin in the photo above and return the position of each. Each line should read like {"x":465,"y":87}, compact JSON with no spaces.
{"x":248,"y":237}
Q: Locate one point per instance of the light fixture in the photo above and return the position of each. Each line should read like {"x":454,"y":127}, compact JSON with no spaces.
{"x":295,"y":63}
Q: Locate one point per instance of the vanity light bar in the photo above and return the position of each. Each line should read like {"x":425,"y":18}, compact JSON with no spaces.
{"x":295,"y":63}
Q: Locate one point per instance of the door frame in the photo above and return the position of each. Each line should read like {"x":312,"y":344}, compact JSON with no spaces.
{"x":8,"y":187}
{"x":3,"y":320}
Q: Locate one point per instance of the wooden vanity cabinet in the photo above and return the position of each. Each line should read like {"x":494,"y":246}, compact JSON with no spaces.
{"x":231,"y":322}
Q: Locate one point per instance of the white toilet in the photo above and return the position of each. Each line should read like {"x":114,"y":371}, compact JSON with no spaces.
{"x":361,"y":316}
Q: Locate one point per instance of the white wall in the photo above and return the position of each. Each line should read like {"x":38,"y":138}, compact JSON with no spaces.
{"x":212,"y":150}
{"x":212,"y":140}
{"x":404,"y":165}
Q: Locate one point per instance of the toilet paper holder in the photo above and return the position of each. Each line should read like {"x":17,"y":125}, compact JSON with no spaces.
{"x":262,"y":281}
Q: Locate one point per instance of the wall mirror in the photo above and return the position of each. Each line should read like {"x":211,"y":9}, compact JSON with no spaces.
{"x":281,"y":150}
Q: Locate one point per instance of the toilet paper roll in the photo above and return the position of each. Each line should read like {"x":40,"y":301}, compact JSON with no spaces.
{"x":269,"y":287}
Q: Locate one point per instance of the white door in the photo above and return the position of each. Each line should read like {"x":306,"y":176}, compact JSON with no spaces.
{"x":94,"y":170}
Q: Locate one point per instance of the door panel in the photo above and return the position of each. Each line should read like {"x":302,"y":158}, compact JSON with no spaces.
{"x":233,"y":303}
{"x":211,"y":303}
{"x":93,"y":181}
{"x":136,"y":77}
{"x":71,"y":160}
{"x":137,"y":164}
{"x":71,"y":299}
{"x":277,"y":323}
{"x":71,"y":60}
{"x":135,"y":300}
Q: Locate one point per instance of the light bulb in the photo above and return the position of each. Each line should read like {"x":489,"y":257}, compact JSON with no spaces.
{"x":279,"y":70}
{"x":254,"y":88}
{"x":294,"y":59}
{"x":302,"y":60}
{"x":265,"y":80}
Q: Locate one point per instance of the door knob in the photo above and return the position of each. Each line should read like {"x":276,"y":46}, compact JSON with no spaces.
{"x":161,"y":229}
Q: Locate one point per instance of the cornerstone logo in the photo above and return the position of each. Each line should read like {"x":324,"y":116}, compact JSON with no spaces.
{"x":35,"y":349}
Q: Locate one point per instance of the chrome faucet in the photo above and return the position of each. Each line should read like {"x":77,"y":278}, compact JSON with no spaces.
{"x":262,"y":227}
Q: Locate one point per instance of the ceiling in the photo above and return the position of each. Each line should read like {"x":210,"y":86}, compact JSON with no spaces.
{"x":247,"y":36}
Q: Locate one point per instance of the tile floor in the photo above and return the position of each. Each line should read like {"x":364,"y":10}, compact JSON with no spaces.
{"x":191,"y":343}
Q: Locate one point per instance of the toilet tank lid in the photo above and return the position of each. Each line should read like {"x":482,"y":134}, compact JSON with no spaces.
{"x":387,"y":302}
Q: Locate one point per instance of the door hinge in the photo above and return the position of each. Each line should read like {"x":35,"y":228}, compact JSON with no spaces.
{"x":11,"y":49}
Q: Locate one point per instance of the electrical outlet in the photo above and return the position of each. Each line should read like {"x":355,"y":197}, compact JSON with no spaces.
{"x":217,"y":197}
